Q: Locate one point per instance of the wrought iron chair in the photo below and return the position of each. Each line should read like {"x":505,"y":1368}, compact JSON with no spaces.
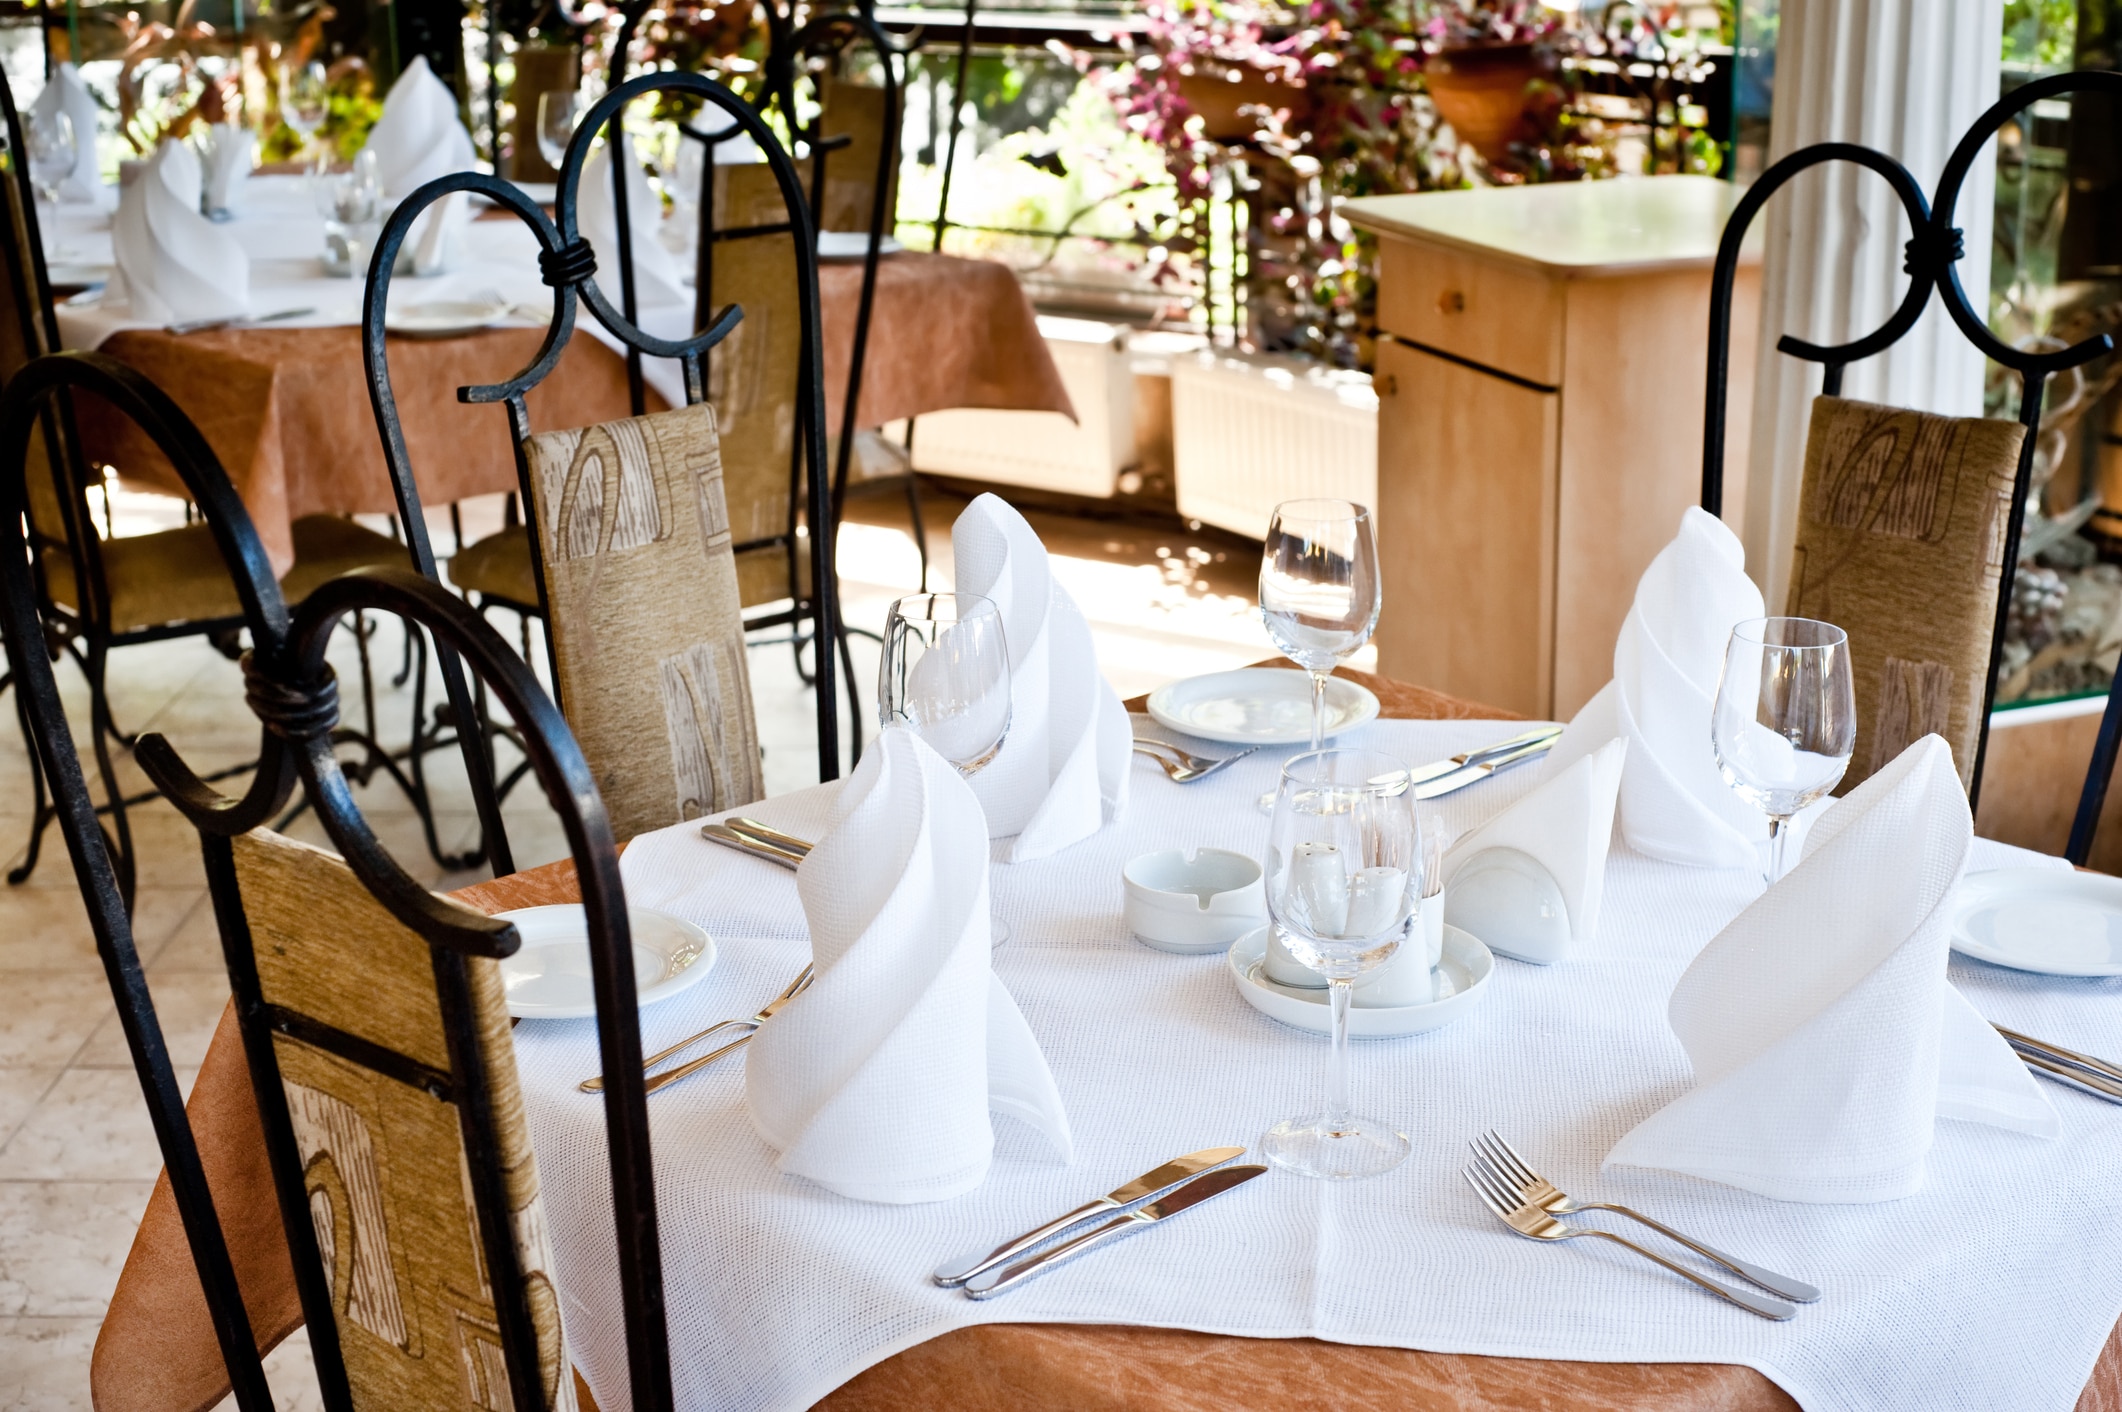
{"x":96,"y":591}
{"x":370,"y":1009}
{"x":570,"y":268}
{"x":1850,"y":513}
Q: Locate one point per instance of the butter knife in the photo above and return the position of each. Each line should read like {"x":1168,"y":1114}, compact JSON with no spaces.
{"x":209,"y":325}
{"x":746,"y":843}
{"x":1482,"y":766}
{"x":1200,"y":1189}
{"x":952,"y":1273}
{"x":768,"y":834}
{"x":1543,"y":736}
{"x":2080,"y":1071}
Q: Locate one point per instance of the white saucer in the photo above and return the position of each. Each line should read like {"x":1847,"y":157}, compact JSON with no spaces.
{"x":837,"y":245}
{"x":1258,"y":706}
{"x":2041,"y":919}
{"x":1466,"y":969}
{"x":444,"y":318}
{"x":548,"y":979}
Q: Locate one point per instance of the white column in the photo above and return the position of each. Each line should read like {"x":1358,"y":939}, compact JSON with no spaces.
{"x":1906,"y":77}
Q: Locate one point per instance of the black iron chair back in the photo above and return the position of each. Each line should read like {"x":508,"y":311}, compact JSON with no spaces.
{"x":1932,"y":254}
{"x":569,"y":266}
{"x":292,"y":689}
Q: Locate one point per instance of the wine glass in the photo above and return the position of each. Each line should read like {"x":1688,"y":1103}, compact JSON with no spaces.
{"x":305,"y":100}
{"x":945,"y":676}
{"x":1785,"y":722}
{"x":1344,"y":875}
{"x":1319,"y":591}
{"x":558,"y":112}
{"x":52,"y":151}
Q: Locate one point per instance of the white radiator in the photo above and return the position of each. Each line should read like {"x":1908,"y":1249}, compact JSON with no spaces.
{"x":1252,"y":430}
{"x":1044,"y":450}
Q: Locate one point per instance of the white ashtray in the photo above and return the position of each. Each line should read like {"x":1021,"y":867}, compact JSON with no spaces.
{"x":1193,"y":905}
{"x":1463,"y":976}
{"x":548,"y":977}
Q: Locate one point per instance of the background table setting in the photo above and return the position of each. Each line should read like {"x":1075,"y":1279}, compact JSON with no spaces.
{"x":249,"y":318}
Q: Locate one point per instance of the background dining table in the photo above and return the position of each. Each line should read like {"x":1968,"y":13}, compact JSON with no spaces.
{"x":285,"y":406}
{"x":156,"y":1350}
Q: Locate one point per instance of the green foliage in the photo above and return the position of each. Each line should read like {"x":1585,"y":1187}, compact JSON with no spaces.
{"x":2040,"y":33}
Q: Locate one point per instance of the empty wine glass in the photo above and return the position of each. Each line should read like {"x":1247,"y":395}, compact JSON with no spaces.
{"x":945,"y":676}
{"x":558,"y":112}
{"x":52,"y":151}
{"x":1344,"y":872}
{"x":1785,"y":722}
{"x":305,"y":100}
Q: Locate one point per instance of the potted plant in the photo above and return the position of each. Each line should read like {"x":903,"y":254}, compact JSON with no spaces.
{"x":1482,"y":57}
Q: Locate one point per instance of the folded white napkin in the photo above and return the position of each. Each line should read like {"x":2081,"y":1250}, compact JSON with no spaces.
{"x":67,"y":94}
{"x":231,"y":152}
{"x":176,"y":264}
{"x":1061,"y":774}
{"x":877,"y":1081}
{"x":1674,"y":804}
{"x":419,"y":136}
{"x":1825,"y":1038}
{"x":1561,"y":830}
{"x":659,"y":281}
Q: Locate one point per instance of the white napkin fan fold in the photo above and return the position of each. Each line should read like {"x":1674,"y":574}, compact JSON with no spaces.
{"x":67,"y":94}
{"x":659,"y":283}
{"x":1563,"y":828}
{"x":1825,"y":1038}
{"x":419,"y":135}
{"x":176,"y":264}
{"x":1062,"y":772}
{"x":230,"y":153}
{"x":1674,"y":805}
{"x":878,"y":1081}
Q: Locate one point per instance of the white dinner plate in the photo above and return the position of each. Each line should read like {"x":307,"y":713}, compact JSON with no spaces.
{"x":1258,"y":706}
{"x":1467,"y":966}
{"x":548,"y":979}
{"x":444,"y":318}
{"x":852,"y":245}
{"x":2041,"y":919}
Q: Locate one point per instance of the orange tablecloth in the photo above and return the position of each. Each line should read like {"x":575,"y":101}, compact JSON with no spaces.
{"x":287,"y":410}
{"x":156,"y":1351}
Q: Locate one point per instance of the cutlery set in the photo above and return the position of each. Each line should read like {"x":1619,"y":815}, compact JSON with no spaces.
{"x":1431,"y":781}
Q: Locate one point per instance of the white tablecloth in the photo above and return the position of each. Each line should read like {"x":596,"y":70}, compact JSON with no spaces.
{"x":279,"y":228}
{"x":1995,"y":1287}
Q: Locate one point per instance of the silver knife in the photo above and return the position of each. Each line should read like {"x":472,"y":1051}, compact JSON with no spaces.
{"x":745,"y":843}
{"x":2066,"y":1066}
{"x":1480,"y":768}
{"x":1540,"y":735}
{"x":952,"y":1273}
{"x":209,"y":325}
{"x":1200,"y":1189}
{"x":768,"y":834}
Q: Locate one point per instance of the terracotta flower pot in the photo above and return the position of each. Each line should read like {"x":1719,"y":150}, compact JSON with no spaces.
{"x":1218,"y":98}
{"x":1480,"y":90}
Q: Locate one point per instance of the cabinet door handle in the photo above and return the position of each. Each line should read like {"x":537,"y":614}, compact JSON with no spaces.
{"x":1451,"y":301}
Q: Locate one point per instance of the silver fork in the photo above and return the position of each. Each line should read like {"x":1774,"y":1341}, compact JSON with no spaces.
{"x":1534,"y":1224}
{"x":595,"y":1083}
{"x":1502,"y":1160}
{"x":1185,"y":768}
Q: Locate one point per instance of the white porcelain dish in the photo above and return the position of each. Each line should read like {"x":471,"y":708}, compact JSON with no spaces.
{"x":1466,"y":969}
{"x":548,"y":979}
{"x":2041,"y":919}
{"x":1258,"y":706}
{"x":444,"y":318}
{"x":1193,"y":905}
{"x":836,"y":245}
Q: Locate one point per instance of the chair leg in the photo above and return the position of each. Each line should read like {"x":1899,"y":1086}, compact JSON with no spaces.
{"x":913,"y":512}
{"x":101,"y":732}
{"x":854,"y":702}
{"x":42,"y":811}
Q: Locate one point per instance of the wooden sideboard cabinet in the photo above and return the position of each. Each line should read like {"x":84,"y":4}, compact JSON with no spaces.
{"x":1540,"y":393}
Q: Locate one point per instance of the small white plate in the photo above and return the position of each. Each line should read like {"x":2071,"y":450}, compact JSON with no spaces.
{"x":2041,"y":919}
{"x":1466,"y":969}
{"x":69,"y":275}
{"x":444,"y":318}
{"x":1258,"y":706}
{"x":834,"y":245}
{"x":548,"y":979}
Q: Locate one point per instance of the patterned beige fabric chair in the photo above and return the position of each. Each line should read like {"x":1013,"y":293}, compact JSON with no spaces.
{"x":647,"y":629}
{"x":1901,"y":526}
{"x":383,"y":1160}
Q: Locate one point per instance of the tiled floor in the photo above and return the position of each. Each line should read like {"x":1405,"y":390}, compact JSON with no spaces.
{"x":77,"y":1158}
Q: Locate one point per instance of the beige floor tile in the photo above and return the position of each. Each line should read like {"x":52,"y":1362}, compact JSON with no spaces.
{"x":44,"y":1363}
{"x":187,"y":1003}
{"x":48,"y":1014}
{"x":194,"y":946}
{"x":91,"y":1127}
{"x":20,"y":1092}
{"x":63,"y":1243}
{"x":292,"y":1377}
{"x":46,"y":928}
